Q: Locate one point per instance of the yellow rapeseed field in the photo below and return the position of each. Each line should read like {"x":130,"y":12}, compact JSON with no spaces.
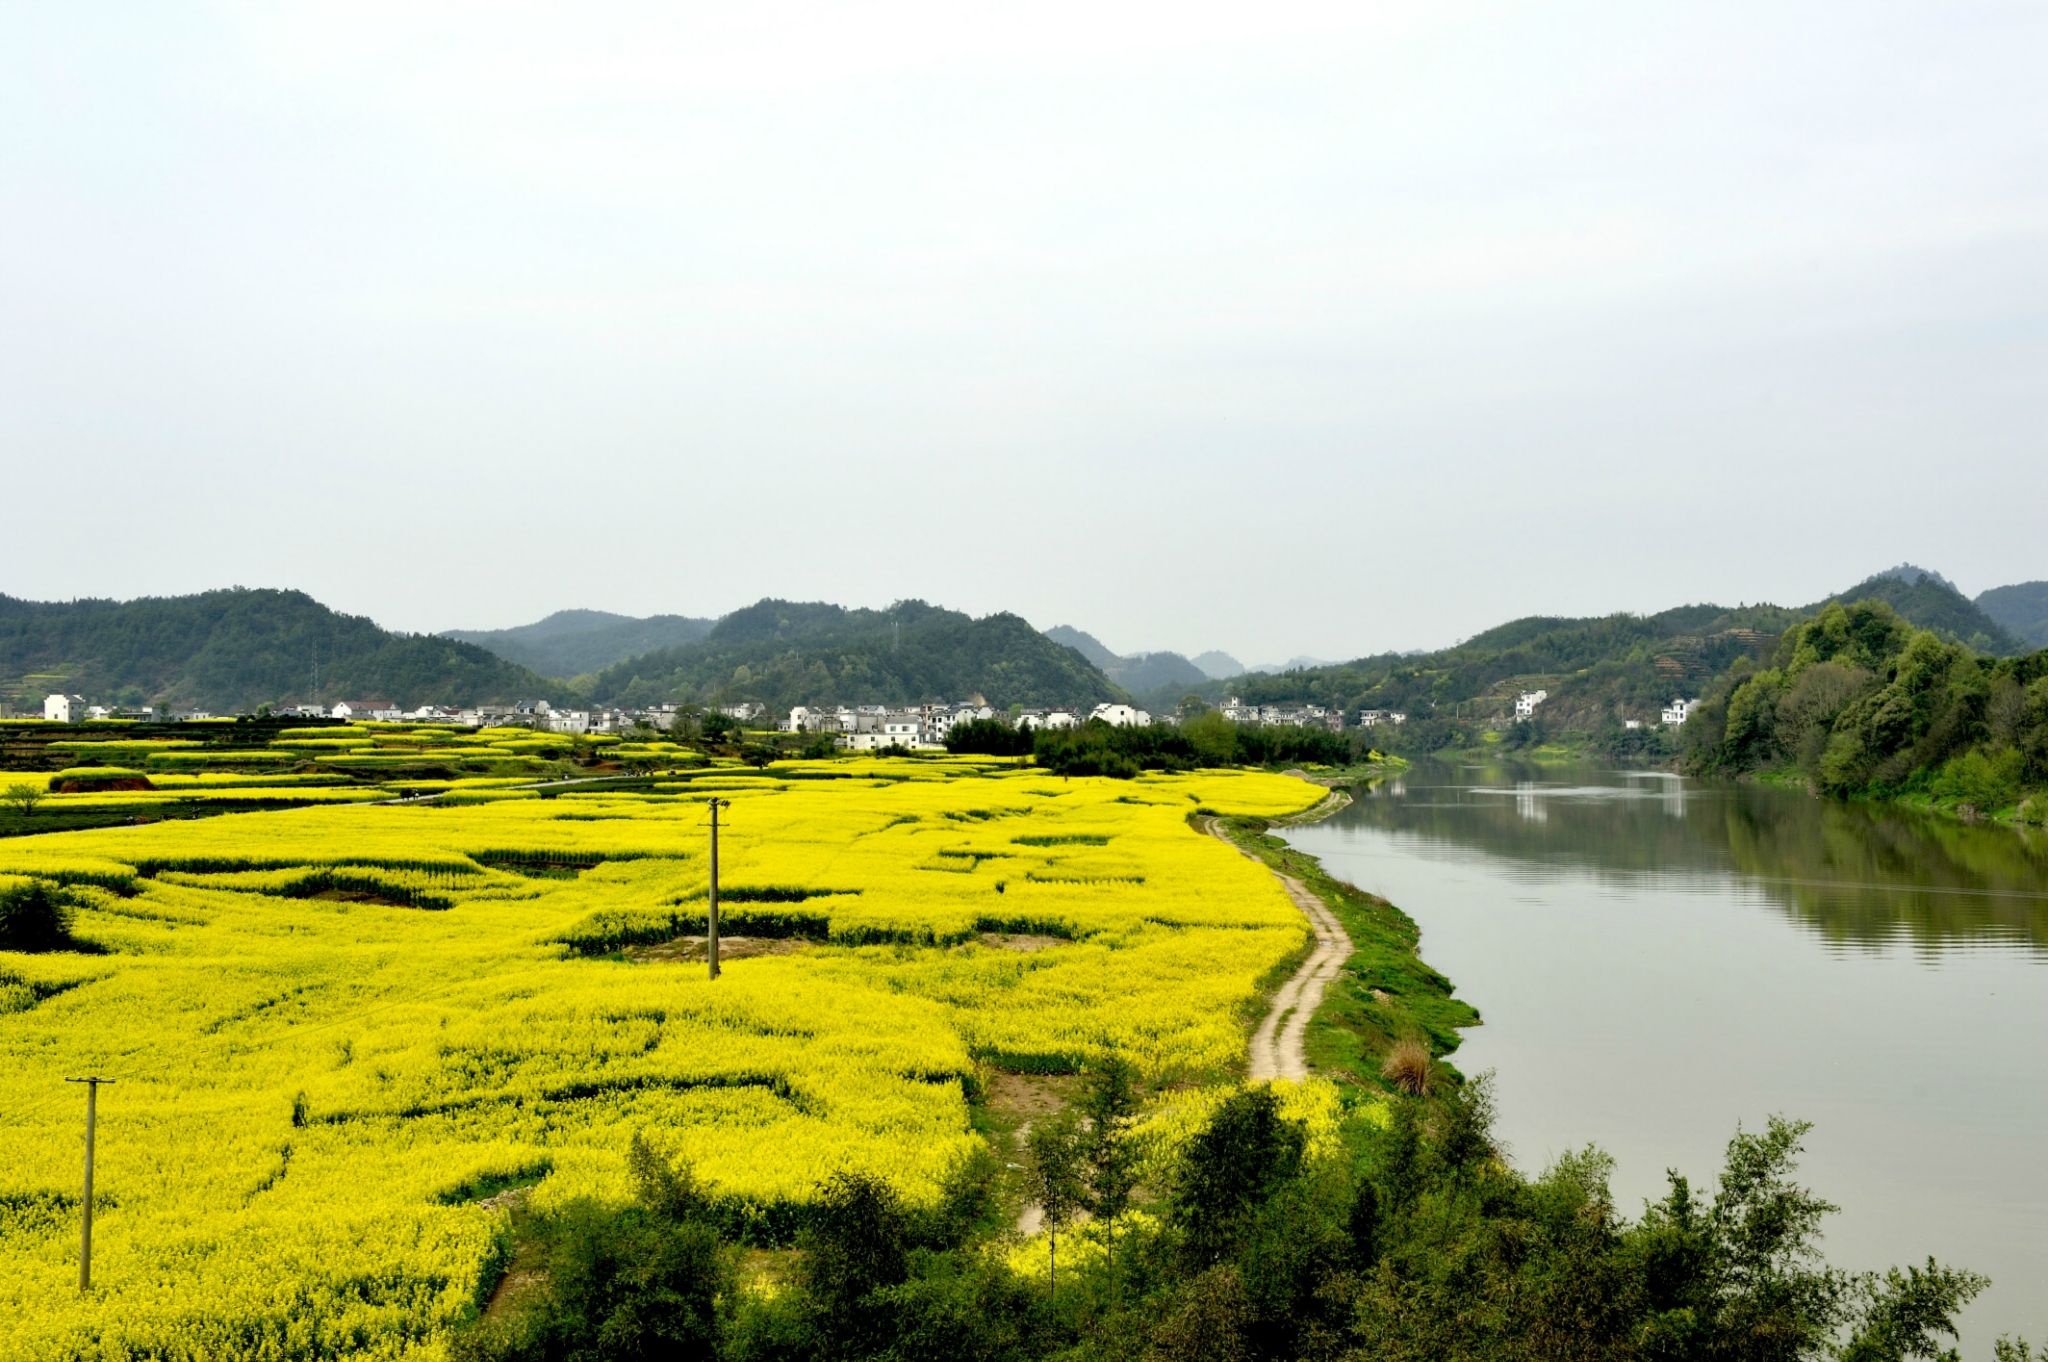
{"x":338,"y":1031}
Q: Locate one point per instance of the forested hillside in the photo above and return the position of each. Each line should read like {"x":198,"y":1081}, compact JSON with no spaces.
{"x":1928,"y":601}
{"x":573,"y":642}
{"x":236,"y":650}
{"x":1592,"y":667}
{"x":2021,"y":609}
{"x":788,"y":652}
{"x":1600,"y":670}
{"x":1862,"y":703}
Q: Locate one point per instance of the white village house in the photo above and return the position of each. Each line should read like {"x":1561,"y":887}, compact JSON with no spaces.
{"x":1121,"y":716}
{"x":1282,"y":716}
{"x":64,"y":709}
{"x":1526,"y":702}
{"x":1678,"y":711}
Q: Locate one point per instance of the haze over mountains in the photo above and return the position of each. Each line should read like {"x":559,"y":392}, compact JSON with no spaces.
{"x":2022,"y":609}
{"x":573,"y":642}
{"x":238,"y":649}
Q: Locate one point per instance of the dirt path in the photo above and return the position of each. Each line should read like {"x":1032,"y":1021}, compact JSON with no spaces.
{"x":1277,"y":1046}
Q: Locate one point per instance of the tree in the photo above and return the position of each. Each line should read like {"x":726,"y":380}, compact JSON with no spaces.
{"x":1232,"y":1169}
{"x":1110,"y":1103}
{"x":33,"y":917}
{"x":23,"y":798}
{"x":1059,"y":1158}
{"x":856,"y":1245}
{"x":650,"y":1283}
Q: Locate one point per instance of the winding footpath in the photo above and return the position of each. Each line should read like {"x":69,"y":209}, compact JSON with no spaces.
{"x":1278,"y":1046}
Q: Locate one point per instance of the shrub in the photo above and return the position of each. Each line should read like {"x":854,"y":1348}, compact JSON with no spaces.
{"x":34,"y":917}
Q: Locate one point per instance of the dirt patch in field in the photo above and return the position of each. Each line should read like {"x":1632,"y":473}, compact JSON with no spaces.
{"x":685,"y":949}
{"x":355,"y":896}
{"x":1019,"y":941}
{"x":1022,"y":1097}
{"x":514,"y":1287}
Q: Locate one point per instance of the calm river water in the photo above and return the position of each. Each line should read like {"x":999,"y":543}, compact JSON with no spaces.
{"x":1658,"y":959}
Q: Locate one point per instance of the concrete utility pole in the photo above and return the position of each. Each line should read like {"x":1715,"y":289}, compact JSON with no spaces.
{"x":711,"y":920}
{"x":92,"y":1093}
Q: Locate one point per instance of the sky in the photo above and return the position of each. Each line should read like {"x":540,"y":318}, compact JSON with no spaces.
{"x":1280,"y":328}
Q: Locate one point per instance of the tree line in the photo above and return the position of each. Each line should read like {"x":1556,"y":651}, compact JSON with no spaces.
{"x":1096,"y":748}
{"x":1862,"y":704}
{"x":1408,"y":1237}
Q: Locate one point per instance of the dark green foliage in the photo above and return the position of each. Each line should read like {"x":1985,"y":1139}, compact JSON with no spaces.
{"x":650,"y":1283}
{"x":988,"y":737}
{"x":1100,"y":749}
{"x":1418,"y":1243}
{"x":1232,"y":1169}
{"x":1931,"y":602}
{"x":856,"y":1246}
{"x":573,"y":642}
{"x":786,"y":653}
{"x":34,"y":917}
{"x":238,"y":649}
{"x":1862,"y":703}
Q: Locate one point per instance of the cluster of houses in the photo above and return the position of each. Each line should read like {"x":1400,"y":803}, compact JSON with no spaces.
{"x":1674,"y":713}
{"x":1301,"y":716}
{"x":73,"y":709}
{"x":855,"y":727}
{"x":871,"y":727}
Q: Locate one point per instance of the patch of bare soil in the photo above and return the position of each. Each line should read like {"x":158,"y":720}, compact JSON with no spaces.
{"x":1024,"y":1097}
{"x":685,"y":949}
{"x":356,"y":896}
{"x":1019,"y":941}
{"x":514,"y":1287}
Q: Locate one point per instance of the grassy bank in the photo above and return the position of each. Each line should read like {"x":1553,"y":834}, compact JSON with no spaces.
{"x":1386,"y":992}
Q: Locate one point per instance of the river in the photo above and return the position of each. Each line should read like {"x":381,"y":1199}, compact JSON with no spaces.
{"x":1658,"y":959}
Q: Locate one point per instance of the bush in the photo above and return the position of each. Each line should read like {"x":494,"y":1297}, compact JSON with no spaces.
{"x":34,"y":917}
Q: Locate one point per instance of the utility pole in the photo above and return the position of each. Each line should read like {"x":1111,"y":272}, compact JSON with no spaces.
{"x":711,"y":920}
{"x":92,"y":1092}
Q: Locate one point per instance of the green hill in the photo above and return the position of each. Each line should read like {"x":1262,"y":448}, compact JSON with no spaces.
{"x":786,"y":653}
{"x":573,"y":642}
{"x":1603,"y":669}
{"x":1861,"y":702}
{"x":1928,"y":601}
{"x":2021,"y":609}
{"x":236,"y":650}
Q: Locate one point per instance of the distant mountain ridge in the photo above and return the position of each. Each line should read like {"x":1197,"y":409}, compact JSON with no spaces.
{"x":786,"y":653}
{"x":1160,"y":677}
{"x":1931,"y":601}
{"x":236,"y":650}
{"x":2022,"y":609}
{"x":574,"y":642}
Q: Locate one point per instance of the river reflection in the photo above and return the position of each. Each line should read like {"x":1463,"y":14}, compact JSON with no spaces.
{"x":1659,"y":959}
{"x":1855,"y":874}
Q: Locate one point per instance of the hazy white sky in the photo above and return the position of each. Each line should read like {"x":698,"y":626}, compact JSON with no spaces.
{"x":1279,"y":328}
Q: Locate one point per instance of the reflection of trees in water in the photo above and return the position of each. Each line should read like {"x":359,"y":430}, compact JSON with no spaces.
{"x":1857,"y":874}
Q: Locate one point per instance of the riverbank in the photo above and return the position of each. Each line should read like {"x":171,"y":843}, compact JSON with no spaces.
{"x":2025,"y":813}
{"x":1384,"y":992}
